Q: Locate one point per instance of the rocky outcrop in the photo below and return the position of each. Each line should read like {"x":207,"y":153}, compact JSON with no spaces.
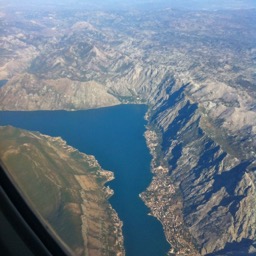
{"x":214,"y":186}
{"x":195,"y":70}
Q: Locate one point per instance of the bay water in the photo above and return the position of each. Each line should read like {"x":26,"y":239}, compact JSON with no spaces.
{"x":114,"y":135}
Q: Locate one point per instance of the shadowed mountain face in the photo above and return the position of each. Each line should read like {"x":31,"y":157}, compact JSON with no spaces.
{"x":217,"y":187}
{"x":194,"y":68}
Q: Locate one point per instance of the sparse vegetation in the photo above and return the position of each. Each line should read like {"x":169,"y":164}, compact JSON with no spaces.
{"x":66,"y":191}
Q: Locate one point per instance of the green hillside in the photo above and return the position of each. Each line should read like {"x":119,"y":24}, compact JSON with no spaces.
{"x":66,"y":188}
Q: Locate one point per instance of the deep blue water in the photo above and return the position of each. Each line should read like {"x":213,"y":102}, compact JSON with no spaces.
{"x":114,"y":136}
{"x":3,"y":82}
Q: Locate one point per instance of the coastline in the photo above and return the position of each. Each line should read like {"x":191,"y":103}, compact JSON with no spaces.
{"x":106,"y":176}
{"x":164,"y":200}
{"x":76,"y":183}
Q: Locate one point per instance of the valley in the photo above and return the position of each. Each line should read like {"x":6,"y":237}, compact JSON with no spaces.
{"x":193,"y":68}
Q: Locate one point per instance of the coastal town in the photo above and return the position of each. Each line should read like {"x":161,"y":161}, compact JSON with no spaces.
{"x":164,"y":201}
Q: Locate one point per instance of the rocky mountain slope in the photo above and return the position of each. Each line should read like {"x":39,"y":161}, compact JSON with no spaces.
{"x":214,"y":184}
{"x":55,"y":94}
{"x":72,"y":197}
{"x":196,"y":71}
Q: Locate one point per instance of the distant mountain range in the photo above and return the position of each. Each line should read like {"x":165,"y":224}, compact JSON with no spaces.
{"x":195,"y":69}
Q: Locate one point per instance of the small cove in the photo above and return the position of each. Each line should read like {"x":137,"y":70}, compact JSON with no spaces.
{"x":114,"y":135}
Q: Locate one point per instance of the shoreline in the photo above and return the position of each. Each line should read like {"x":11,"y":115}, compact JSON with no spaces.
{"x":163,"y":199}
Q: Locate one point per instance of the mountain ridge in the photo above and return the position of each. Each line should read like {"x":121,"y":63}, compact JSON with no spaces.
{"x":195,"y":71}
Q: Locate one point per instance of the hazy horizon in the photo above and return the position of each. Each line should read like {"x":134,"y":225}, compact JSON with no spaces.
{"x":144,"y":4}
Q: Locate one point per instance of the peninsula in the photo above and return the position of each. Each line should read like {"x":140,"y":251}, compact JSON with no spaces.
{"x":66,"y":189}
{"x":195,"y":69}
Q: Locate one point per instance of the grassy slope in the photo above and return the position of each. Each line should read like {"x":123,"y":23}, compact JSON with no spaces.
{"x":64,"y":186}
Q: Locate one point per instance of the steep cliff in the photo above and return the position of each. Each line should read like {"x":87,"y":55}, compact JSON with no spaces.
{"x":212,"y":184}
{"x":196,"y":71}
